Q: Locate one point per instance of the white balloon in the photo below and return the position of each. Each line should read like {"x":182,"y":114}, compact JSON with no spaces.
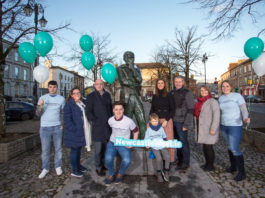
{"x":41,"y":74}
{"x":259,"y":65}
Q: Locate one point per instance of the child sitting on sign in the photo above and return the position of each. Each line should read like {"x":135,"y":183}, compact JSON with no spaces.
{"x":121,"y":127}
{"x":156,"y":132}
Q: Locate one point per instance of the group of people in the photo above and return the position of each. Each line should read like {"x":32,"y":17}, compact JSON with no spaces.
{"x":172,"y":115}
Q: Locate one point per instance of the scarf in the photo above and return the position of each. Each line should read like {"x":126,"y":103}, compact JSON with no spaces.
{"x":198,"y":106}
{"x":155,"y":128}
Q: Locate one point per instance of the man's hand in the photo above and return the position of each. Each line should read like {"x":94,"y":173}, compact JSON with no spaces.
{"x":128,"y":147}
{"x":184,"y":129}
{"x":147,"y":147}
{"x":41,"y":103}
{"x":247,"y":120}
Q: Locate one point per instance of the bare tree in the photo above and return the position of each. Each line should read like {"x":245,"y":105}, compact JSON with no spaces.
{"x":227,"y":14}
{"x":14,"y":26}
{"x":186,"y":50}
{"x":102,"y":52}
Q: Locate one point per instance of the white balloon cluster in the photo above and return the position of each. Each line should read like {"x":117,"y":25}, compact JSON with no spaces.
{"x":41,"y":74}
{"x":259,"y":65}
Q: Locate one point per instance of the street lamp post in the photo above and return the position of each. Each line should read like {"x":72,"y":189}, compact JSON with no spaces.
{"x":204,"y":59}
{"x":28,"y":10}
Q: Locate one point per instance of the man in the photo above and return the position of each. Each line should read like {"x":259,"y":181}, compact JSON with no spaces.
{"x":121,"y":127}
{"x":50,"y":108}
{"x":183,"y":120}
{"x":99,"y":110}
{"x":130,"y":79}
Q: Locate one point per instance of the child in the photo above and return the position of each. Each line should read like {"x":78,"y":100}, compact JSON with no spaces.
{"x":156,"y":131}
{"x":121,"y":127}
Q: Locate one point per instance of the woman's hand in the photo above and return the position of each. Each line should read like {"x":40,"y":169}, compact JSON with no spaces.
{"x":247,"y":120}
{"x":147,"y":147}
{"x":212,"y":132}
{"x":164,"y":124}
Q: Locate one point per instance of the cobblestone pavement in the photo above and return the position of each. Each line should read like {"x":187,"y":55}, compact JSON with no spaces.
{"x":29,"y":126}
{"x":253,"y":186}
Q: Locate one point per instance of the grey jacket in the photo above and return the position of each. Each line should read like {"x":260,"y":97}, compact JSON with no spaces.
{"x":183,"y":110}
{"x":209,"y":120}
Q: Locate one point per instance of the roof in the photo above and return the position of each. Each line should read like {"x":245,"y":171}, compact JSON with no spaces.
{"x":149,"y":65}
{"x":73,"y":72}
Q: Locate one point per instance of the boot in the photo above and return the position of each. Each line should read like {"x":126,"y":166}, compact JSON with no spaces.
{"x":205,"y":156}
{"x":209,"y":158}
{"x":241,"y":169}
{"x":232,"y":168}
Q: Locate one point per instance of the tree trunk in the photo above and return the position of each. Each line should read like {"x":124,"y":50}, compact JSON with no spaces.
{"x":2,"y":102}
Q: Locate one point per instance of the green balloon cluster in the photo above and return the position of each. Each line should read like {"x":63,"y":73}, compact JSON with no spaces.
{"x":27,"y":52}
{"x":253,"y":47}
{"x":43,"y":43}
{"x":86,"y":43}
{"x":109,"y":73}
{"x":88,"y":60}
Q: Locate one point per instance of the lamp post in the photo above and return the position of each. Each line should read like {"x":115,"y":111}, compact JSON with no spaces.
{"x":204,"y":59}
{"x":28,"y":10}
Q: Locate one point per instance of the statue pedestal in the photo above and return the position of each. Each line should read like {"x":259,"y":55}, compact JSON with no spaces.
{"x":141,"y":164}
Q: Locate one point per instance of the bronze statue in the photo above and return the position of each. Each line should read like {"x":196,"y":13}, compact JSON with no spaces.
{"x":130,"y":79}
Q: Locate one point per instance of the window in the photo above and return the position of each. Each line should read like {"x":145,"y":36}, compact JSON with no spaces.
{"x":240,"y":70}
{"x":6,"y":91}
{"x":68,"y":78}
{"x":246,"y":80}
{"x":5,"y":51}
{"x":245,"y":69}
{"x":25,"y":90}
{"x":249,"y":67}
{"x":17,"y":90}
{"x":16,"y":72}
{"x":6,"y":72}
{"x":25,"y":75}
{"x":16,"y":56}
{"x":15,"y":105}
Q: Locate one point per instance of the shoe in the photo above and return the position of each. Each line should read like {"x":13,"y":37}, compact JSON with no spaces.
{"x":43,"y":173}
{"x":241,"y":169}
{"x":209,"y":168}
{"x":182,"y":168}
{"x":118,"y":178}
{"x":109,"y":180}
{"x":82,"y":169}
{"x":159,"y":177}
{"x":58,"y":171}
{"x":77,"y":174}
{"x":203,"y":166}
{"x":232,"y":168}
{"x":165,"y":175}
{"x":100,"y":173}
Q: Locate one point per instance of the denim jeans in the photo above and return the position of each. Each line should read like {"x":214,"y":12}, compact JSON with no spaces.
{"x":99,"y":154}
{"x":46,"y":134}
{"x":74,"y":155}
{"x":232,"y":136}
{"x":183,"y":137}
{"x":111,"y":152}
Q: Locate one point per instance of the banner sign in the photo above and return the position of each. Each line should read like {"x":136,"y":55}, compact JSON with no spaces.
{"x":119,"y":141}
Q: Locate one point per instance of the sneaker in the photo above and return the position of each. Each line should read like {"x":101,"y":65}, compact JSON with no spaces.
{"x":109,"y":180}
{"x":118,"y":179}
{"x":165,"y":175}
{"x":159,"y":177}
{"x":58,"y":171}
{"x":43,"y":173}
{"x":77,"y":174}
{"x":100,"y":173}
{"x":82,"y":169}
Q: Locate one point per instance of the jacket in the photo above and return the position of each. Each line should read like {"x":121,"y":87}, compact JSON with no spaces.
{"x":99,"y":110}
{"x":74,"y":125}
{"x":184,"y":107}
{"x":209,"y":120}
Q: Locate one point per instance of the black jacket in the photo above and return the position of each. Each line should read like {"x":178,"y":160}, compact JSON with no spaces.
{"x":163,"y":106}
{"x":99,"y":110}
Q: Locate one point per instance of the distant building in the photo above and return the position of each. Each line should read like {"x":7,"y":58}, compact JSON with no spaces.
{"x":17,"y":77}
{"x":79,"y":81}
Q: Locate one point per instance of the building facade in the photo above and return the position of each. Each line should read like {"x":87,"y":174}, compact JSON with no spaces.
{"x":79,"y":82}
{"x":18,"y":75}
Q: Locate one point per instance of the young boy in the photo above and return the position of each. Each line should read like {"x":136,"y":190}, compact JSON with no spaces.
{"x":121,"y":127}
{"x":156,"y":131}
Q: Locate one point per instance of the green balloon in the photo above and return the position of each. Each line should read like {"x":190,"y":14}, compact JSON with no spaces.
{"x":86,"y":43}
{"x":88,"y":60}
{"x":27,"y":52}
{"x":43,"y":43}
{"x":253,"y":47}
{"x":109,"y":73}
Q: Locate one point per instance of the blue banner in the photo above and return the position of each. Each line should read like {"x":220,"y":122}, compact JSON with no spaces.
{"x":119,"y":141}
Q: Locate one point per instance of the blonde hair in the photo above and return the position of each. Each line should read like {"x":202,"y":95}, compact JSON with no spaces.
{"x":153,"y":116}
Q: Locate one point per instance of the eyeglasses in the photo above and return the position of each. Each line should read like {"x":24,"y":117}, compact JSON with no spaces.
{"x":76,"y":93}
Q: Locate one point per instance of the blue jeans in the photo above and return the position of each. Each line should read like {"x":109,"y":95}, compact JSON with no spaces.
{"x":46,"y":134}
{"x":75,"y":154}
{"x":183,"y":137}
{"x":232,"y":136}
{"x":111,"y":152}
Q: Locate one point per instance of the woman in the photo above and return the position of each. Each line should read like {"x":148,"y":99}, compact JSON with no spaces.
{"x":233,"y":109}
{"x":163,"y":106}
{"x":75,"y":126}
{"x":207,"y":113}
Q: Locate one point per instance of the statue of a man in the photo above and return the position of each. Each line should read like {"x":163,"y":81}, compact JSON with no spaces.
{"x":130,"y":79}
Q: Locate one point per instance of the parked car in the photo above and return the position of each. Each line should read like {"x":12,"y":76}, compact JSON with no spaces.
{"x":19,"y":110}
{"x":254,"y":99}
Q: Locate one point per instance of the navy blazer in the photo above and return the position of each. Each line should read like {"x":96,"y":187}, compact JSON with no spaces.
{"x":74,"y":125}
